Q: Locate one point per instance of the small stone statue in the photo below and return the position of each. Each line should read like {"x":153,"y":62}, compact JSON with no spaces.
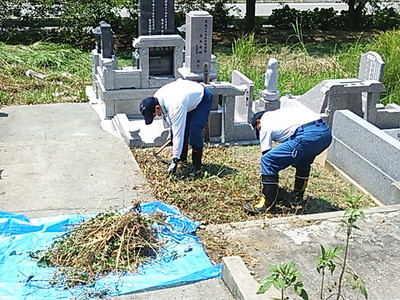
{"x":271,"y":76}
{"x":271,"y":82}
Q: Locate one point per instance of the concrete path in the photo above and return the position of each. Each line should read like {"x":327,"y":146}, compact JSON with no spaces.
{"x":374,"y":249}
{"x":55,"y":159}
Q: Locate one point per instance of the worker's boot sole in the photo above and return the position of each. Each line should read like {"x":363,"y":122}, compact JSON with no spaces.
{"x":254,"y":210}
{"x":249,"y":208}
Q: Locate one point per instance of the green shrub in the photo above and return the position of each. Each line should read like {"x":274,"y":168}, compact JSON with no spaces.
{"x":27,"y":21}
{"x":386,"y":18}
{"x":283,"y":17}
{"x":222,"y":17}
{"x":327,"y":18}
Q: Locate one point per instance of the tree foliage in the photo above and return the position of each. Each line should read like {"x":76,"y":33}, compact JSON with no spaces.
{"x":71,"y":21}
{"x":62,"y":20}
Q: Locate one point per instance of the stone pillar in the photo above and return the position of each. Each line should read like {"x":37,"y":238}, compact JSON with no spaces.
{"x":198,"y":40}
{"x":198,"y":46}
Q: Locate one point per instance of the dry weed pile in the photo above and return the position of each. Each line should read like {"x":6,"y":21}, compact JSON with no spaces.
{"x":109,"y":242}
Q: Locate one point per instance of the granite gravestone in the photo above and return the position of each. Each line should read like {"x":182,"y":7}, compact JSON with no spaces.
{"x":371,"y":67}
{"x":105,"y":40}
{"x":198,"y":40}
{"x":156,"y":17}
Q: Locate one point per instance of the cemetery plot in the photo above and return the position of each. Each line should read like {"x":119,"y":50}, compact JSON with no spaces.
{"x":230,"y":179}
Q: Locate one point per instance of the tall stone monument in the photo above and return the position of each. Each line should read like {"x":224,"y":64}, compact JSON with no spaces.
{"x":198,"y":47}
{"x":156,"y":17}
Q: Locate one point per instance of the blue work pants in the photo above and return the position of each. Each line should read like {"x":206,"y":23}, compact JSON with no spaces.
{"x":299,"y":150}
{"x":196,"y":121}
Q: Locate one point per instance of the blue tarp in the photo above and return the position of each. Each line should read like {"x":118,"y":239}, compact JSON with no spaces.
{"x":183,"y":259}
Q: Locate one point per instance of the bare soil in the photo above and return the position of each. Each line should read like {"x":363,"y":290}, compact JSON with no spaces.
{"x":230,"y":179}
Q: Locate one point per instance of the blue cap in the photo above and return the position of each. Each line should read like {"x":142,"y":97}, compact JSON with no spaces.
{"x":147,"y":108}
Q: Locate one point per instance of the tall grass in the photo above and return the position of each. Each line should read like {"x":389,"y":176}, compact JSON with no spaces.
{"x":299,"y":71}
{"x":387,"y":44}
{"x":67,"y":72}
{"x":248,"y":56}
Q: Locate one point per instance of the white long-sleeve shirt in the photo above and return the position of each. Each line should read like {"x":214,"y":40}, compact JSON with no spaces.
{"x":278,"y":125}
{"x":176,"y":100}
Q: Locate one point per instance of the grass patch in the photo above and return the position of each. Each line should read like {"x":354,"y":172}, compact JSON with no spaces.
{"x":231,"y":178}
{"x":66,"y":73}
{"x":307,"y":62}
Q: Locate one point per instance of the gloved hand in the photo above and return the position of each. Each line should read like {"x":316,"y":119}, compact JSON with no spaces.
{"x":173,"y":165}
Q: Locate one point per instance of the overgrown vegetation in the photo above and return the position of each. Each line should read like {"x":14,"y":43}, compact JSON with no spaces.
{"x":109,"y":242}
{"x":286,"y":275}
{"x":66,"y":71}
{"x":231,"y":178}
{"x":303,"y":64}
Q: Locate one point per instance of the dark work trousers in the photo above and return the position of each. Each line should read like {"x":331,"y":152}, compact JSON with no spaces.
{"x":299,"y":150}
{"x":196,"y":121}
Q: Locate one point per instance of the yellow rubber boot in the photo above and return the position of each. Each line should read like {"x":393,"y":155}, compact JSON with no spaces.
{"x":268,"y":199}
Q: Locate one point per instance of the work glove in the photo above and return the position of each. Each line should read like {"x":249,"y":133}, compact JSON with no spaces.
{"x":172,"y":166}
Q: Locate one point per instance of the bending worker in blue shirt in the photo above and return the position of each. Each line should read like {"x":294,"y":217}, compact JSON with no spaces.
{"x":185,"y":105}
{"x":302,"y":134}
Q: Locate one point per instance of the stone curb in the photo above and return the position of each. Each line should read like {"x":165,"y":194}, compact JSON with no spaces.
{"x":336,"y":215}
{"x":239,"y":281}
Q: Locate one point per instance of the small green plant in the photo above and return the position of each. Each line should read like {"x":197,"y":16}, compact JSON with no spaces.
{"x":352,"y":215}
{"x":297,"y":27}
{"x":326,"y":262}
{"x":283,"y":277}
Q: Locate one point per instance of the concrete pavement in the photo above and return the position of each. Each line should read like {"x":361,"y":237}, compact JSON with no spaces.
{"x":56,"y":159}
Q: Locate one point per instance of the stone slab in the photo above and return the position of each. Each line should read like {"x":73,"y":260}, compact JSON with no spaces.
{"x":239,"y":281}
{"x":367,"y":154}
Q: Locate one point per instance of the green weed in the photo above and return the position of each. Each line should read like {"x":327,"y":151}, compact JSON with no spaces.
{"x":66,"y":71}
{"x":300,"y":71}
{"x":285,"y":275}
